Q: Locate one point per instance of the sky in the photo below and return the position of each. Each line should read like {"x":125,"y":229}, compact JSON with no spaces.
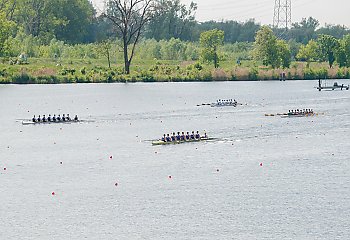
{"x":326,"y":11}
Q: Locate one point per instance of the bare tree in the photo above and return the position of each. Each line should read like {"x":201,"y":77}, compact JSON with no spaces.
{"x":129,"y":17}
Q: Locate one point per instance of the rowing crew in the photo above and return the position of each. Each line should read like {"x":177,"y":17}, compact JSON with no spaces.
{"x":183,"y":137}
{"x":55,"y":118}
{"x":226,"y":102}
{"x":300,"y":112}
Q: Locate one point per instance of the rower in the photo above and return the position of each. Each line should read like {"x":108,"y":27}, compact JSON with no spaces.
{"x":34,"y":119}
{"x":173,"y":138}
{"x":205,"y":135}
{"x":187,"y":137}
{"x":49,"y":118}
{"x":68,"y":118}
{"x":164,"y":138}
{"x":63,"y":118}
{"x":183,"y":137}
{"x":59,"y":118}
{"x":39,"y":119}
{"x":178,"y":137}
{"x":198,"y":136}
{"x":76,"y":118}
{"x":192,"y":135}
{"x":44,"y":119}
{"x":168,"y":138}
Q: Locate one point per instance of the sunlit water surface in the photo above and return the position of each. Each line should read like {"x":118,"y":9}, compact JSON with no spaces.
{"x":217,"y":189}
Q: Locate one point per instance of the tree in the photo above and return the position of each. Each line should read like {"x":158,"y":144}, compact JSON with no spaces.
{"x":284,"y":53}
{"x":104,"y":48}
{"x":346,"y":45}
{"x":328,"y":46}
{"x":309,"y":52}
{"x":5,"y":31}
{"x":130,"y":18}
{"x":172,"y":20}
{"x":210,"y":42}
{"x":265,"y":47}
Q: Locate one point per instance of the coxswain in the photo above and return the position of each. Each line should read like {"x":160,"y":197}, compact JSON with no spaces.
{"x":192,"y":135}
{"x":205,"y":135}
{"x":34,"y":119}
{"x":39,"y":119}
{"x":168,"y":138}
{"x":183,"y":137}
{"x":187,"y":137}
{"x":59,"y":118}
{"x":54,"y":118}
{"x":68,"y":117}
{"x":164,"y":138}
{"x":173,"y":137}
{"x":49,"y":118}
{"x":44,"y":119}
{"x":63,"y":118}
{"x":76,"y":118}
{"x":198,"y":136}
{"x":178,"y":137}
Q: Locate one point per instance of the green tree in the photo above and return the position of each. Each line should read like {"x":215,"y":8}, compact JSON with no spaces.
{"x":346,"y":45}
{"x":5,"y":31}
{"x":210,"y":41}
{"x":283,"y":53}
{"x":328,"y":47}
{"x":309,"y":52}
{"x":265,"y":47}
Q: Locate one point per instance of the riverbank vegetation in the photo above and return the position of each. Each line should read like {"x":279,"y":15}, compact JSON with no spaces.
{"x":46,"y":42}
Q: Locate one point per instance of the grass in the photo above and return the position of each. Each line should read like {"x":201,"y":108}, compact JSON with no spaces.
{"x":44,"y":71}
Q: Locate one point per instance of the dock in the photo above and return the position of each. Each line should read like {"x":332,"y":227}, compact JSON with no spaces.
{"x":334,"y":87}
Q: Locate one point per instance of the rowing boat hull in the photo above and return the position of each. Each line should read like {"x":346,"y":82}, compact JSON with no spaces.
{"x":302,"y":115}
{"x":44,"y":123}
{"x":160,"y":142}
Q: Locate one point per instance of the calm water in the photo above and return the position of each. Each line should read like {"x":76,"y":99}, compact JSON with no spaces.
{"x":218,"y":189}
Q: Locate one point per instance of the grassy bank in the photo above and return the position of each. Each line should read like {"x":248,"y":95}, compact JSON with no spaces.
{"x":48,"y":71}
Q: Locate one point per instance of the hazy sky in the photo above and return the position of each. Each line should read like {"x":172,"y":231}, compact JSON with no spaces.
{"x":326,"y":11}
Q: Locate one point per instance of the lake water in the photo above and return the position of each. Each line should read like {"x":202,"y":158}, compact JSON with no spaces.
{"x":217,"y":189}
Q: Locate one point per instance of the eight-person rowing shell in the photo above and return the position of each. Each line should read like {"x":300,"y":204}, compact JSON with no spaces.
{"x":300,"y":112}
{"x":54,"y":118}
{"x":183,"y":137}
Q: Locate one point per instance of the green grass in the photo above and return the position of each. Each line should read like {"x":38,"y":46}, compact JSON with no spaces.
{"x":43,"y":71}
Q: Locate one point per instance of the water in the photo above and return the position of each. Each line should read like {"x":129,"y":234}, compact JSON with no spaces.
{"x":218,"y":189}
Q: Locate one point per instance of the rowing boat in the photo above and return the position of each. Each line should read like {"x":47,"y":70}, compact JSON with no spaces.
{"x":37,"y":123}
{"x":300,"y":115}
{"x":160,"y":142}
{"x":233,"y":104}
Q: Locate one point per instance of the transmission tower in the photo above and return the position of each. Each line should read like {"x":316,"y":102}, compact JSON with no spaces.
{"x":282,"y":17}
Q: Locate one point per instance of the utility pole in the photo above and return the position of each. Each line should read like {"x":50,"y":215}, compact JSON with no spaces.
{"x":282,"y":17}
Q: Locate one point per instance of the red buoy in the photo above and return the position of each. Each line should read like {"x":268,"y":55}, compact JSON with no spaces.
{"x":217,"y":170}
{"x":170,"y":177}
{"x":116,"y":184}
{"x":53,"y":193}
{"x":261,"y":164}
{"x":5,"y":169}
{"x":111,"y":157}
